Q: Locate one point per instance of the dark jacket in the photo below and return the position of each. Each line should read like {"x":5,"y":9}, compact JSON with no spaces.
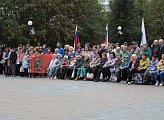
{"x":137,"y":63}
{"x":160,"y":51}
{"x":102,"y":62}
{"x":13,"y":58}
{"x":79,"y":63}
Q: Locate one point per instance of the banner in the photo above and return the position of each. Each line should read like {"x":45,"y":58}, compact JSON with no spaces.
{"x":39,"y":63}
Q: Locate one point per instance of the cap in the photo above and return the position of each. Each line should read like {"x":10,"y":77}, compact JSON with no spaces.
{"x":133,"y":43}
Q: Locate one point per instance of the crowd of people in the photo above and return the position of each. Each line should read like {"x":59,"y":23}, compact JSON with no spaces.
{"x":120,"y":63}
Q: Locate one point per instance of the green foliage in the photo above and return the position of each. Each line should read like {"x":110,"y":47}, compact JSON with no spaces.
{"x":129,"y":13}
{"x":53,"y":20}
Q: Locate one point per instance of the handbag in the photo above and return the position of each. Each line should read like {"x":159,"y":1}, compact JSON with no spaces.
{"x":90,"y":75}
{"x":113,"y":77}
{"x":21,"y":69}
{"x":2,"y":61}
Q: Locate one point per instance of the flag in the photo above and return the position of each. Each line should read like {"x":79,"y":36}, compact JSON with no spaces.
{"x":143,"y":37}
{"x":76,"y":39}
{"x":106,"y":38}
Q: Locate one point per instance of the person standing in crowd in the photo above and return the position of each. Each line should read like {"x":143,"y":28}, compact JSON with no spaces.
{"x":160,"y":49}
{"x":25,"y":63}
{"x":78,"y":51}
{"x":71,"y":53}
{"x":45,"y":49}
{"x":135,"y":49}
{"x":102,"y":50}
{"x":21,"y":70}
{"x":93,"y":52}
{"x":146,"y":50}
{"x":160,"y":72}
{"x":118,"y":50}
{"x":66,"y":49}
{"x":60,"y":49}
{"x":1,"y":62}
{"x":125,"y":52}
{"x":56,"y":52}
{"x":154,"y":47}
{"x":18,"y":64}
{"x":6,"y":57}
{"x":86,"y":52}
{"x":110,"y":50}
{"x":13,"y":60}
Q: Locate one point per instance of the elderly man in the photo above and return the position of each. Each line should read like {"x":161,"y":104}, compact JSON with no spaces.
{"x":135,"y":49}
{"x":147,"y":51}
{"x":160,"y":49}
{"x":154,"y":47}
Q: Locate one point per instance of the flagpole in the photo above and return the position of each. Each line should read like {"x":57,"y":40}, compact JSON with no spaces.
{"x":106,"y":38}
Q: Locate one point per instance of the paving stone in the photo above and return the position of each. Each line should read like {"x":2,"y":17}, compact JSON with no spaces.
{"x":44,"y":99}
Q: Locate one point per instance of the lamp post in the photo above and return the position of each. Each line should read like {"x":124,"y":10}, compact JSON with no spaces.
{"x":32,"y":31}
{"x":120,"y":33}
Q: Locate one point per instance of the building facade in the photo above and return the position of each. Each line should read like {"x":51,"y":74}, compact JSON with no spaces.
{"x":105,"y":4}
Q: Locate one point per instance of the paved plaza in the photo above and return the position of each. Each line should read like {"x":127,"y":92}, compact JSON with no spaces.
{"x":44,"y":99}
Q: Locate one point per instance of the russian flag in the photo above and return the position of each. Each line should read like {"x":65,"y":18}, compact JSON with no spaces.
{"x":143,"y":39}
{"x":76,"y":39}
{"x":106,"y":38}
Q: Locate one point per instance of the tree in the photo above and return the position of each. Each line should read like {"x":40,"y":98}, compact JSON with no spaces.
{"x":53,"y":20}
{"x":123,"y":14}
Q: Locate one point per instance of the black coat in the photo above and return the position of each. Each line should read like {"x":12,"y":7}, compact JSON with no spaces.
{"x":160,"y":51}
{"x":13,"y":58}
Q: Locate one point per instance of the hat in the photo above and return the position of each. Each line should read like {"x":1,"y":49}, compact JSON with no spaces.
{"x":78,"y":56}
{"x":126,"y":56}
{"x":133,"y":43}
{"x":125,"y":43}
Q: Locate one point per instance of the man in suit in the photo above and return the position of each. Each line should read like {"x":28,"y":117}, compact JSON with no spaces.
{"x":160,"y":49}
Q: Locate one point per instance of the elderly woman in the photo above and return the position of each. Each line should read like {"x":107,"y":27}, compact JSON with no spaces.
{"x":52,"y":65}
{"x":6,"y":58}
{"x":124,"y":69}
{"x":149,"y":73}
{"x":78,"y":64}
{"x":57,"y":67}
{"x":160,"y":71}
{"x":109,"y":67}
{"x":143,"y":64}
{"x":99,"y":68}
{"x":70,"y":67}
{"x":71,"y":53}
{"x":82,"y":71}
{"x":134,"y":64}
{"x":125,"y":52}
{"x":64,"y":67}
